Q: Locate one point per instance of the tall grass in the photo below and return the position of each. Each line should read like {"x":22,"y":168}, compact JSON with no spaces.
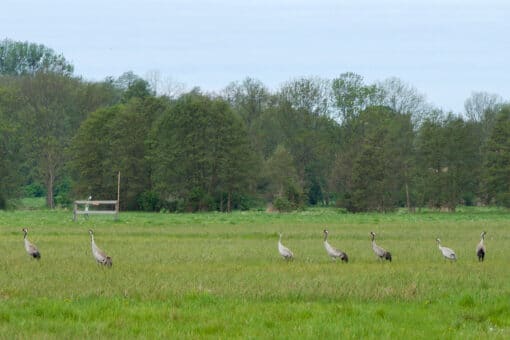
{"x":220,"y":275}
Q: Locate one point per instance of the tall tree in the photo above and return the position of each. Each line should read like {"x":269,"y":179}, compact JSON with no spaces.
{"x":311,"y":140}
{"x":448,"y":158}
{"x":481,"y":109}
{"x":249,"y":98}
{"x":381,"y":168}
{"x":430,"y":145}
{"x":310,"y":94}
{"x":115,"y":139}
{"x":284,"y":188}
{"x":24,"y":58}
{"x":403,"y":98}
{"x":57,"y":106}
{"x":351,"y":95}
{"x":200,"y":150}
{"x":497,"y":168}
{"x":48,"y":126}
{"x":11,"y":104}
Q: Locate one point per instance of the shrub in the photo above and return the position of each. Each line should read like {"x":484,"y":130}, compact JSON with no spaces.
{"x":149,"y":201}
{"x":35,"y":190}
{"x":282,"y":204}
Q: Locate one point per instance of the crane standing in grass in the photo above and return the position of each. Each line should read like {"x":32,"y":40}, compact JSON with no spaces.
{"x":30,"y":247}
{"x":333,"y":252}
{"x":99,"y":255}
{"x":480,"y":248}
{"x":447,"y":252}
{"x":379,"y":251}
{"x":284,"y":251}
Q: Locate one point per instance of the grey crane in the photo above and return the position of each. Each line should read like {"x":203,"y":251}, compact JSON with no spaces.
{"x":99,"y":255}
{"x":480,"y":248}
{"x":447,"y":252}
{"x":30,"y":247}
{"x":379,"y":251}
{"x":333,"y":252}
{"x":284,"y":251}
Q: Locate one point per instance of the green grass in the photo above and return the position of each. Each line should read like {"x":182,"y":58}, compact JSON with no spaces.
{"x":220,"y":276}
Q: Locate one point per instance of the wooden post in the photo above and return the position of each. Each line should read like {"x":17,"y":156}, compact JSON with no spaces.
{"x":117,"y":206}
{"x":74,"y":211}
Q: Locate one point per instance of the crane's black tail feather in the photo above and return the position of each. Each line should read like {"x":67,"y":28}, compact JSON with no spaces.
{"x":387,"y":256}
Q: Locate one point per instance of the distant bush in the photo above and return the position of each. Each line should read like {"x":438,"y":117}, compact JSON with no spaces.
{"x":62,"y":193}
{"x":35,"y":190}
{"x":149,"y":201}
{"x":282,"y":204}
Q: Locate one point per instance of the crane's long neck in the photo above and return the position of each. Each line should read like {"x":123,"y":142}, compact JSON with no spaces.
{"x":25,"y":236}
{"x":374,"y":245}
{"x":325,"y":237}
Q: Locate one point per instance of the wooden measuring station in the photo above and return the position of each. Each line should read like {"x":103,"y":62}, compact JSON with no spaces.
{"x":87,"y":203}
{"x":86,"y":211}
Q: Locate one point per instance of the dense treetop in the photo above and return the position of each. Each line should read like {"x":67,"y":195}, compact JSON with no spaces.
{"x":314,"y":141}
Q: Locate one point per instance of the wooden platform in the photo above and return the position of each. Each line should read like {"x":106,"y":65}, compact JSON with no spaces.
{"x":87,"y":204}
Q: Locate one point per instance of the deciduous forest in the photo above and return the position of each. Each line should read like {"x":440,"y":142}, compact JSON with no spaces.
{"x":339,"y":142}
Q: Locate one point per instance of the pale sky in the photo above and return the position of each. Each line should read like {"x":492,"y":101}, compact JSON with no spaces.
{"x":445,"y":49}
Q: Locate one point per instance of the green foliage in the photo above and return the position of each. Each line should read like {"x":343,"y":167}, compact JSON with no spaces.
{"x":46,"y":110}
{"x":311,"y":138}
{"x":310,"y":95}
{"x":498,"y":159}
{"x":34,"y":190}
{"x":11,"y":104}
{"x":112,"y":140}
{"x":24,"y":58}
{"x":290,"y":200}
{"x":282,"y":204}
{"x":280,"y":172}
{"x":249,"y":99}
{"x":351,"y":95}
{"x":137,"y":89}
{"x":149,"y":201}
{"x":63,"y":195}
{"x":448,"y":161}
{"x":313,"y":141}
{"x":380,"y":167}
{"x":200,"y":149}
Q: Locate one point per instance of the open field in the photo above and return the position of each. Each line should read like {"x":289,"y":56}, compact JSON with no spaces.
{"x":220,"y":276}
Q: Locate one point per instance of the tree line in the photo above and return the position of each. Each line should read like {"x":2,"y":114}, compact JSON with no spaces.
{"x":341,"y":142}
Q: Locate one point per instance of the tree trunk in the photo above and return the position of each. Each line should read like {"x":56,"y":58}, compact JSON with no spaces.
{"x":408,"y":199}
{"x":229,"y":199}
{"x":50,"y":202}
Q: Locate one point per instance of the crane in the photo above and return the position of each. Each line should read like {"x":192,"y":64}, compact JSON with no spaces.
{"x":480,"y":248}
{"x":379,"y":251}
{"x":447,"y":252}
{"x":99,"y":255}
{"x":333,"y":252}
{"x":284,"y":251}
{"x":30,"y":247}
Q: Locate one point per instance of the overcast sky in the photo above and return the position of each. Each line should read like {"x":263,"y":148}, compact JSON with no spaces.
{"x":445,"y":49}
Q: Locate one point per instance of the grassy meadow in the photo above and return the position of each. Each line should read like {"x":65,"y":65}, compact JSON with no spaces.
{"x":213,"y":275}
